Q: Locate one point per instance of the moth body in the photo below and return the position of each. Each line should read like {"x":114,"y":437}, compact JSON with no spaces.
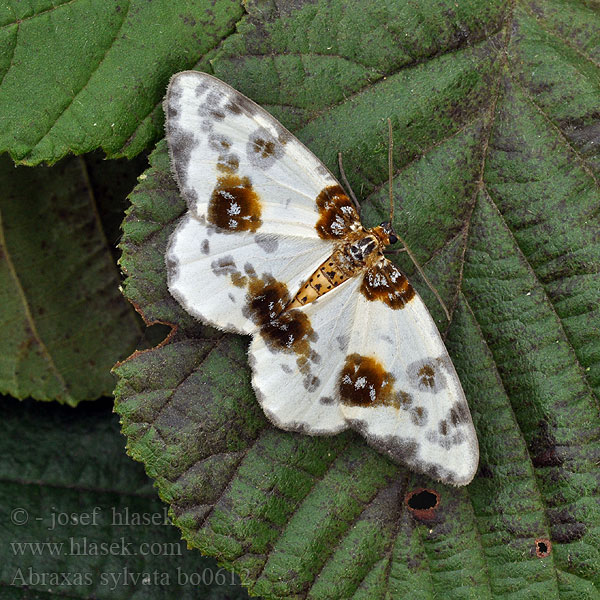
{"x":360,"y":251}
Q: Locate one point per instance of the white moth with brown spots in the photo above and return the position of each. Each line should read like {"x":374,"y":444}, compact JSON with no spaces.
{"x":272,"y":246}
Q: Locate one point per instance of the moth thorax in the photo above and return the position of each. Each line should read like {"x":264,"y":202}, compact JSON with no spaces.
{"x":360,"y":249}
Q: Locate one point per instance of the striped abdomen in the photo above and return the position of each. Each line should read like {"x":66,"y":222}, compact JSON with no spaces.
{"x":345,"y":262}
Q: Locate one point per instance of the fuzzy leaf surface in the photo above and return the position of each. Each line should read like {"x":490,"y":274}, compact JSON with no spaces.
{"x":79,"y":75}
{"x":494,"y":108}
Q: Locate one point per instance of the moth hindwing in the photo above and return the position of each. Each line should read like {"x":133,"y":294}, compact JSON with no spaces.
{"x":272,"y":246}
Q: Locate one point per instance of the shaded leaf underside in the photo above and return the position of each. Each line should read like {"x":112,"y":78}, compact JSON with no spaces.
{"x":81,"y":520}
{"x":64,"y":322}
{"x":494,"y":109}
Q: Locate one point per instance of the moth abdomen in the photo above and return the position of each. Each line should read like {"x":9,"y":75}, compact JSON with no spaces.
{"x":347,"y":261}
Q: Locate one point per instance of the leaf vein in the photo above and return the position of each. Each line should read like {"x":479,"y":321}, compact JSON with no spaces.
{"x":29,"y":316}
{"x":558,"y":130}
{"x":36,"y":15}
{"x":89,"y":78}
{"x":555,"y":34}
{"x":548,"y":299}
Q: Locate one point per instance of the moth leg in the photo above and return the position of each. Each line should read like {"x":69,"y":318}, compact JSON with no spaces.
{"x":347,"y":184}
{"x":394,"y":251}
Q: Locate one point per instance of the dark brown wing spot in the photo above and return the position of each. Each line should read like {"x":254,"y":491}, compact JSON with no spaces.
{"x":228,"y":163}
{"x":223,"y":266}
{"x":233,"y":108}
{"x":234,"y":205}
{"x":216,"y":114}
{"x":311,"y":383}
{"x":336,"y":213}
{"x":288,"y":331}
{"x":265,"y":148}
{"x":364,"y":382}
{"x":211,"y":106}
{"x":226,"y":266}
{"x":418,"y":415}
{"x":219,"y":142}
{"x":426,"y":376}
{"x":238,"y":279}
{"x":303,"y":365}
{"x":385,"y":283}
{"x":239,"y":104}
{"x":291,"y":331}
{"x":266,"y":299}
{"x":404,"y":400}
{"x":459,"y":413}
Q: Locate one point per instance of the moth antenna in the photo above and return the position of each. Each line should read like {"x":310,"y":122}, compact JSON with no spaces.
{"x":425,"y":278}
{"x":391,"y":168}
{"x":347,"y":184}
{"x":408,"y":250}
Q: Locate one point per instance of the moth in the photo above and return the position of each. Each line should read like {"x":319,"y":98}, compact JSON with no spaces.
{"x":273,"y":247}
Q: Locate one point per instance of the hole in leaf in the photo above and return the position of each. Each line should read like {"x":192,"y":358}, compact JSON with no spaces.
{"x":422,"y":499}
{"x":422,"y":503}
{"x":153,"y":335}
{"x":543,"y":547}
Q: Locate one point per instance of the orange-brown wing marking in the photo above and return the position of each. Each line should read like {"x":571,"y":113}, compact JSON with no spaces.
{"x":336,"y":214}
{"x":364,"y":382}
{"x":384,"y":282}
{"x":234,"y":205}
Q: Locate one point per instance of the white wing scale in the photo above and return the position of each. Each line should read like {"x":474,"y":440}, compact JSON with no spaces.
{"x":216,"y":133}
{"x":423,"y":420}
{"x":251,"y":189}
{"x":300,"y":393}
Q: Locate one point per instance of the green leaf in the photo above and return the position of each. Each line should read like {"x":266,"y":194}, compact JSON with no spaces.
{"x":64,"y":321}
{"x":80,"y":520}
{"x":84,"y":74}
{"x":494,"y":108}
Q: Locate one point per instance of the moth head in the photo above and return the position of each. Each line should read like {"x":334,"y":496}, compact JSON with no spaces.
{"x":387,"y":228}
